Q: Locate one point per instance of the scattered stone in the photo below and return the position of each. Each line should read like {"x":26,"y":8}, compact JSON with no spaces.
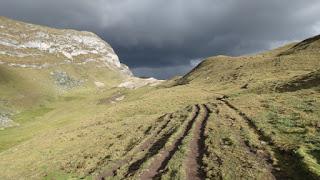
{"x":245,"y":86}
{"x":99,"y":84}
{"x":63,"y":80}
{"x":5,"y":121}
{"x":120,"y":98}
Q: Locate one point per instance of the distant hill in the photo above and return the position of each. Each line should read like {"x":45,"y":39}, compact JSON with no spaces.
{"x":263,"y":71}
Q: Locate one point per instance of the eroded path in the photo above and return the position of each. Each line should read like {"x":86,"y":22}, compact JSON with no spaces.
{"x":144,"y":145}
{"x":193,"y":162}
{"x":183,"y":159}
{"x":150,"y":156}
{"x":161,"y":161}
{"x":207,"y":141}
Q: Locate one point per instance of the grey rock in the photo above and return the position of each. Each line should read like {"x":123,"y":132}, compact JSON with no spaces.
{"x":64,"y":81}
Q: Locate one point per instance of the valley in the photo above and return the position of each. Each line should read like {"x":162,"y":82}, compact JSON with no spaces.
{"x":70,"y":110}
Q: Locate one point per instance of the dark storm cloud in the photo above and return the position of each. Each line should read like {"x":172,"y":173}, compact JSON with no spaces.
{"x":161,"y":37}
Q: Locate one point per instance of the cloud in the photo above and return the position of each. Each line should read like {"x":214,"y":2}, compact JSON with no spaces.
{"x":168,"y":71}
{"x":166,"y":34}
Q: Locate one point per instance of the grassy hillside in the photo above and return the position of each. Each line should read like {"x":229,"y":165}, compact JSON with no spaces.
{"x":248,"y":117}
{"x":277,"y":93}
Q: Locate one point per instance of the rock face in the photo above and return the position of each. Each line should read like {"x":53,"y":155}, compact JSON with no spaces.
{"x":29,"y":46}
{"x":41,"y":47}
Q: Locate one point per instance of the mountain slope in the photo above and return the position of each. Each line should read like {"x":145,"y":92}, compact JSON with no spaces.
{"x":260,"y":71}
{"x":278,"y":94}
{"x":56,"y":59}
{"x":38,"y":64}
{"x":28,"y":45}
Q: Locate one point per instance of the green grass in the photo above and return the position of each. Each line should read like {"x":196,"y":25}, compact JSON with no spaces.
{"x":31,"y":122}
{"x":15,"y":135}
{"x":68,"y":126}
{"x":31,"y":115}
{"x":309,"y":161}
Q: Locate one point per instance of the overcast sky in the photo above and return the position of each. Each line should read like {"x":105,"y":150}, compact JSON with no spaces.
{"x":163,"y":38}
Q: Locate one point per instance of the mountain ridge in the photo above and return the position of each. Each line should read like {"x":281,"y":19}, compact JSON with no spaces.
{"x":64,"y":43}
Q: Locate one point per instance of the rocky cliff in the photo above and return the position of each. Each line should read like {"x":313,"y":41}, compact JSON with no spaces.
{"x":32,"y":46}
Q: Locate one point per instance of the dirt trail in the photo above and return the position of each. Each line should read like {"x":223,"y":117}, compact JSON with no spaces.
{"x":214,"y":148}
{"x":194,"y":157}
{"x":142,"y":147}
{"x":164,"y":156}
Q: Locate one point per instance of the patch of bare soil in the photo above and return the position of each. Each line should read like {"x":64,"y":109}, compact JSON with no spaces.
{"x":161,"y":160}
{"x":194,"y":157}
{"x":164,"y":121}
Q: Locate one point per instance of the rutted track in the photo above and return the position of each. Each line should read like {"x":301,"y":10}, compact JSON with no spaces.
{"x":235,"y":137}
{"x":182,"y":147}
{"x":171,"y":127}
{"x":143,"y":146}
{"x":180,"y":150}
{"x":193,"y":162}
{"x":160,"y":162}
{"x":287,"y":162}
{"x":186,"y":145}
{"x":278,"y":174}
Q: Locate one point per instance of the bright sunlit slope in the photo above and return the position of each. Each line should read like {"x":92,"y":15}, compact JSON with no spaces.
{"x":278,"y":94}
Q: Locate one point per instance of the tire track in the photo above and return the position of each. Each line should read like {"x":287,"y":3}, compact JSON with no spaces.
{"x":261,"y":136}
{"x":147,"y":144}
{"x":143,"y":146}
{"x":281,"y":170}
{"x":194,"y":165}
{"x":238,"y":135}
{"x":161,"y":161}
